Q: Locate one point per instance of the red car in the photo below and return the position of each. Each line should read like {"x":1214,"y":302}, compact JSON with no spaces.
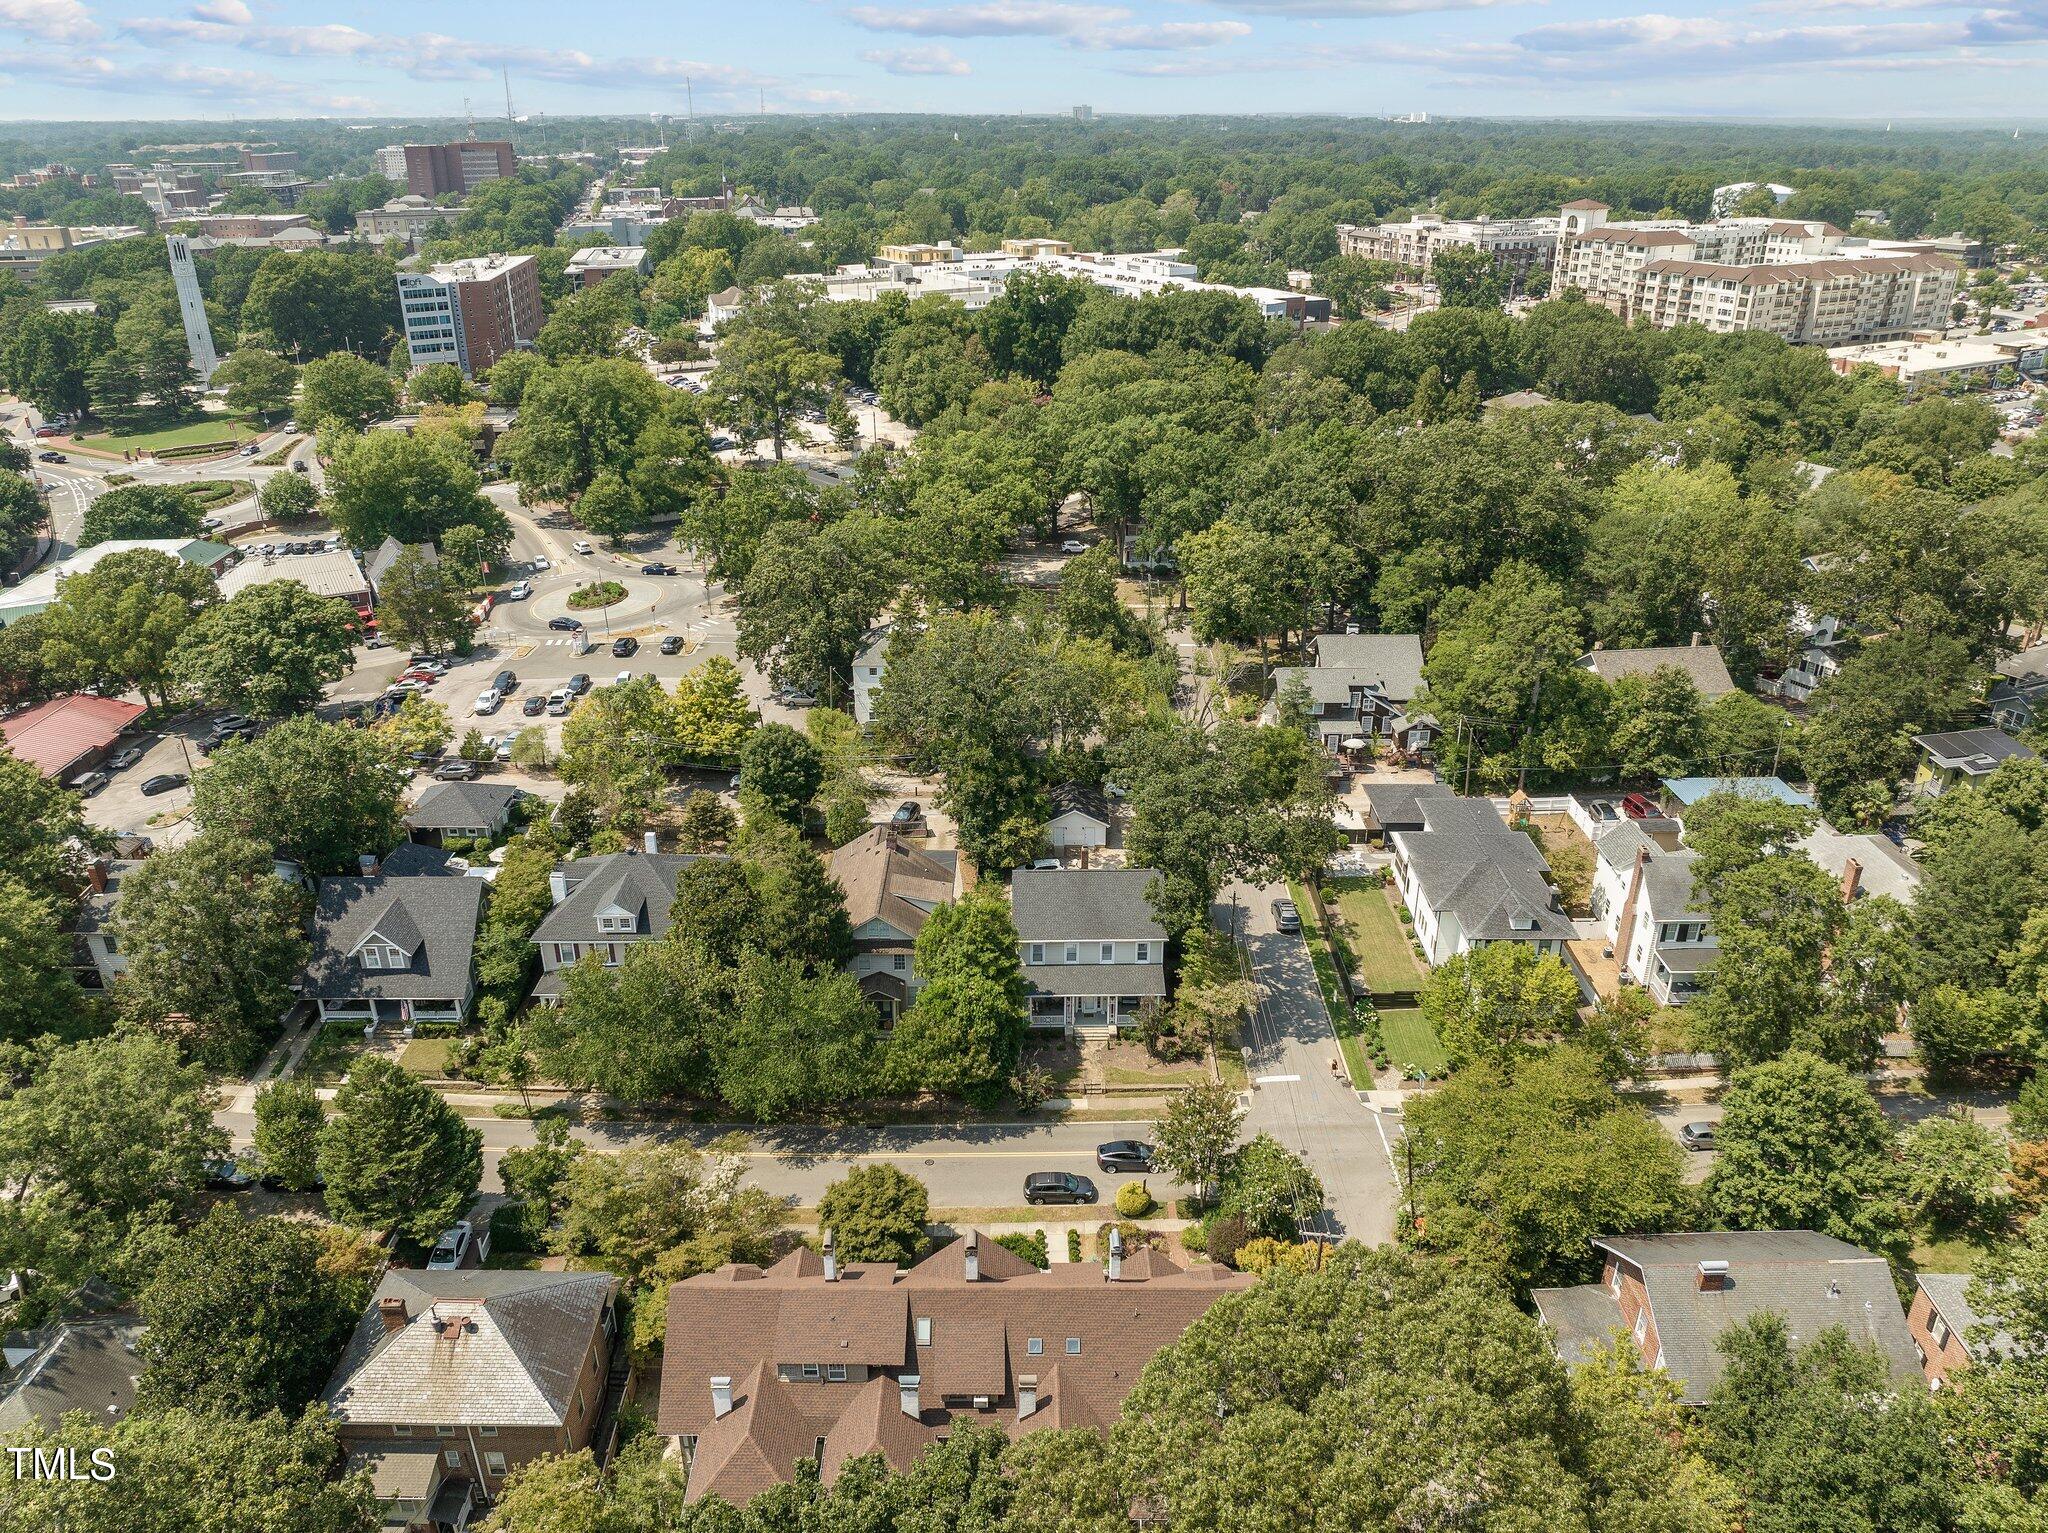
{"x":1640,"y":806}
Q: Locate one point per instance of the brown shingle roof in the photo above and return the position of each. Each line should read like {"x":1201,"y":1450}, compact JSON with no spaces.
{"x":887,"y":880}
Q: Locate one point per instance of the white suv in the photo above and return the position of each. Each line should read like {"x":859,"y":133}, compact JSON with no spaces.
{"x":488,"y":702}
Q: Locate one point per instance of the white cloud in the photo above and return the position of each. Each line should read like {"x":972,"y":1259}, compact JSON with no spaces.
{"x":227,"y":12}
{"x":932,"y":59}
{"x":1079,"y":26}
{"x":57,"y":21}
{"x":1338,"y":9}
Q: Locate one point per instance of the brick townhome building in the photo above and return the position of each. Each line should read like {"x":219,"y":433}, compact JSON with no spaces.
{"x":1946,"y":1327}
{"x":822,"y":1361}
{"x":454,"y":1379}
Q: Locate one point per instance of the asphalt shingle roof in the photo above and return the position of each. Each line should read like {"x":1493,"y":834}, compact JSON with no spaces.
{"x":643,"y":884}
{"x":87,"y":1364}
{"x":1471,"y":865}
{"x":514,"y":1361}
{"x":431,"y":914}
{"x":460,"y":805}
{"x":1701,"y":662}
{"x":1391,"y":662}
{"x":1083,"y":904}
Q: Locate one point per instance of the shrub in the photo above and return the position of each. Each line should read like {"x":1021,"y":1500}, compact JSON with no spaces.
{"x":876,"y":1214}
{"x":1134,"y":1238}
{"x":1195,"y":1239}
{"x":1031,"y":1247}
{"x":601,"y":593}
{"x":518,"y":1226}
{"x":1073,"y":1245}
{"x":1134,"y":1200}
{"x":1032,"y":1087}
{"x":1226,"y":1236}
{"x":1267,"y":1255}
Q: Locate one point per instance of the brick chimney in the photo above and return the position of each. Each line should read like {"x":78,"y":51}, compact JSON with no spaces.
{"x":1713,"y":1277}
{"x":721,"y":1395}
{"x":1625,"y":924}
{"x":831,"y":1260}
{"x":96,"y":875}
{"x":1852,"y":880}
{"x":391,"y":1310}
{"x":970,"y":1258}
{"x":1116,"y":1254}
{"x":366,"y":864}
{"x":906,"y":1395}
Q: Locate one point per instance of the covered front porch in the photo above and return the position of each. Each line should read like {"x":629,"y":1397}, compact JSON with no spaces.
{"x":1085,"y":1015}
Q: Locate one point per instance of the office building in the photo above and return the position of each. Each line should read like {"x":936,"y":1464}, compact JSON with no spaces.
{"x":270,"y":159}
{"x":593,"y":265}
{"x":389,"y":162}
{"x":411,"y":218}
{"x":1799,"y":279}
{"x":470,"y":312}
{"x":435,"y":170}
{"x":25,"y":246}
{"x":1516,"y":244}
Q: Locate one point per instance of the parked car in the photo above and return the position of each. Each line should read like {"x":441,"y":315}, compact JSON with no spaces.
{"x":578,"y":684}
{"x":121,"y":761}
{"x":459,"y":1246}
{"x":163,"y":782}
{"x":909,"y":812}
{"x":672,"y":644}
{"x":503,"y":750}
{"x":1697,"y":1136}
{"x":1073,"y":546}
{"x":1046,"y":865}
{"x":540,"y":562}
{"x":1058,"y":1187}
{"x":48,"y":431}
{"x":505,"y":683}
{"x":622,"y":678}
{"x":558,"y":702}
{"x":376,"y":641}
{"x":455,"y":771}
{"x":1286,"y":916}
{"x":533,"y":705}
{"x":487,"y":702}
{"x":86,"y":784}
{"x":1124,"y":1155}
{"x":564,"y":624}
{"x":582,"y":546}
{"x":519,"y":592}
{"x":795,"y":697}
{"x":1640,"y":806}
{"x":225,"y":1175}
{"x":301,"y":468}
{"x":624,"y":646}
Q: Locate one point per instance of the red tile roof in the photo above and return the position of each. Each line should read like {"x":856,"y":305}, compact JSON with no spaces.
{"x":53,"y":736}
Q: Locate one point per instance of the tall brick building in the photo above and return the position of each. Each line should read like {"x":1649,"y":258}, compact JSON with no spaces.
{"x":470,"y":312}
{"x":435,"y":170}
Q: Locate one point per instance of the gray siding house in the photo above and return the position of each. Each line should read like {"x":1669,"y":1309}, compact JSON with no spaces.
{"x":1094,"y":954}
{"x":394,"y":945}
{"x":604,"y":905}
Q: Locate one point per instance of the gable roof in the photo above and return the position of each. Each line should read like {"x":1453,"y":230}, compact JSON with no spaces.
{"x":1092,"y":904}
{"x":1392,"y":662}
{"x":52,"y":736}
{"x":85,"y":1364}
{"x":1814,"y":1281}
{"x":1078,"y":798}
{"x":642,"y":884}
{"x":431,"y":914}
{"x":459,"y":805}
{"x":1469,"y":864}
{"x":386,"y":553}
{"x":1702,"y":664}
{"x":1949,"y":1293}
{"x":477,"y":1348}
{"x":886,"y":879}
{"x":1667,"y":875}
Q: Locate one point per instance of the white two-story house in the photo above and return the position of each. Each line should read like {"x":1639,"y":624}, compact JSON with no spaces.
{"x":1094,"y":953}
{"x":1468,"y":880}
{"x":891,"y":889}
{"x":1643,"y":899}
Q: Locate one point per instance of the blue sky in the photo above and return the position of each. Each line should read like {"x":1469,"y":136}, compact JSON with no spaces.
{"x":1880,"y":59}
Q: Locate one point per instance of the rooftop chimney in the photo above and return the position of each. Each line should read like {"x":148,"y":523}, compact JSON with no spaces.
{"x":1852,"y":880}
{"x":1027,"y":1395}
{"x":1116,"y":1254}
{"x":906,"y":1395}
{"x":1696,"y":637}
{"x":970,"y":1258}
{"x":650,"y":843}
{"x":831,"y":1260}
{"x":1713,"y":1275}
{"x":391,"y":1310}
{"x":558,"y":886}
{"x":367,"y":862}
{"x":721,"y":1395}
{"x":96,"y":875}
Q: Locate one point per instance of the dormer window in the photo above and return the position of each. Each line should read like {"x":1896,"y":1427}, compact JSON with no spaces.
{"x":379,"y":955}
{"x":615,"y":923}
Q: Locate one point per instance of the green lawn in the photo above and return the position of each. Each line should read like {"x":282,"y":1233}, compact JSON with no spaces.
{"x":427,"y":1056}
{"x":1379,"y":943}
{"x":209,"y":428}
{"x":1410,"y":1040}
{"x":212,"y":494}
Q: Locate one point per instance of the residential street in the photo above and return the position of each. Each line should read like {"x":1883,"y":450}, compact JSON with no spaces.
{"x":977,"y":1166}
{"x":1295,"y":1096}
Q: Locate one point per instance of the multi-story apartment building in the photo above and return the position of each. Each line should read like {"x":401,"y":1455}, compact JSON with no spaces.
{"x":410,"y":218}
{"x":1797,"y":279}
{"x":1517,"y":245}
{"x":470,"y":312}
{"x":434,"y":170}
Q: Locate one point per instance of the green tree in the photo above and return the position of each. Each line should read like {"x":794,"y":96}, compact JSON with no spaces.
{"x":414,"y":488}
{"x":242,"y":1317}
{"x":1657,"y":723}
{"x":139,"y":511}
{"x":1197,"y":1135}
{"x":664,"y":1206}
{"x":712,"y":715}
{"x":395,"y":1156}
{"x":1496,"y":1001}
{"x":780,"y":771}
{"x":213,"y":940}
{"x":117,"y":625}
{"x":257,"y":381}
{"x":1517,"y":1166}
{"x":1467,"y":278}
{"x":271,"y":649}
{"x":440,"y":383}
{"x":809,"y":599}
{"x":794,"y":1044}
{"x":344,"y":392}
{"x":876,"y":1214}
{"x":765,"y":378}
{"x":638,"y":1033}
{"x":1269,"y":1189}
{"x":424,"y":603}
{"x":1766,"y":992}
{"x":617,"y":748}
{"x":287,"y":1136}
{"x":416,"y":726}
{"x":320,"y":794}
{"x":287,"y":497}
{"x":578,"y":419}
{"x":313,"y":302}
{"x":1804,"y":1146}
{"x":1956,"y":1171}
{"x":38,"y":993}
{"x":42,"y":829}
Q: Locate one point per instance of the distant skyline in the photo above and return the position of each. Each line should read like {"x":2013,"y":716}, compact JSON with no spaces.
{"x":1899,"y":60}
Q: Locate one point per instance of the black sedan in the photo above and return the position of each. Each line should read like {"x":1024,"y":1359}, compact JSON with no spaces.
{"x":533,"y":705}
{"x":565,"y":624}
{"x":163,"y":782}
{"x":672,"y":644}
{"x":657,"y":568}
{"x":625,"y":646}
{"x":1124,"y":1155}
{"x":1058,"y":1187}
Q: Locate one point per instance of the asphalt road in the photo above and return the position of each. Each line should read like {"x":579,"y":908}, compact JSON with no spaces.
{"x":977,"y":1166}
{"x":1296,"y":1097}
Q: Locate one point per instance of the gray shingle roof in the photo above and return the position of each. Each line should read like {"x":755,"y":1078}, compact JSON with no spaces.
{"x":1973,"y":751}
{"x":1814,"y":1281}
{"x":514,"y":1362}
{"x":1139,"y":979}
{"x":642,"y":884}
{"x":1470,"y":865}
{"x":1391,"y":662}
{"x":87,"y":1364}
{"x":431,"y":914}
{"x":1701,"y":662}
{"x":459,"y":805}
{"x":1078,"y":798}
{"x":1400,"y":803}
{"x":1667,"y":877}
{"x":1084,"y":904}
{"x":1950,"y":1294}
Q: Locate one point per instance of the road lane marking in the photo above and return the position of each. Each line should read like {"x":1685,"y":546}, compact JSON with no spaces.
{"x":1273,"y":1080}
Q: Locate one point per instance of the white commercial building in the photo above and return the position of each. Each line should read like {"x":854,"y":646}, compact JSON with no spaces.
{"x":1797,"y":279}
{"x":1517,"y":245}
{"x":1915,"y":363}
